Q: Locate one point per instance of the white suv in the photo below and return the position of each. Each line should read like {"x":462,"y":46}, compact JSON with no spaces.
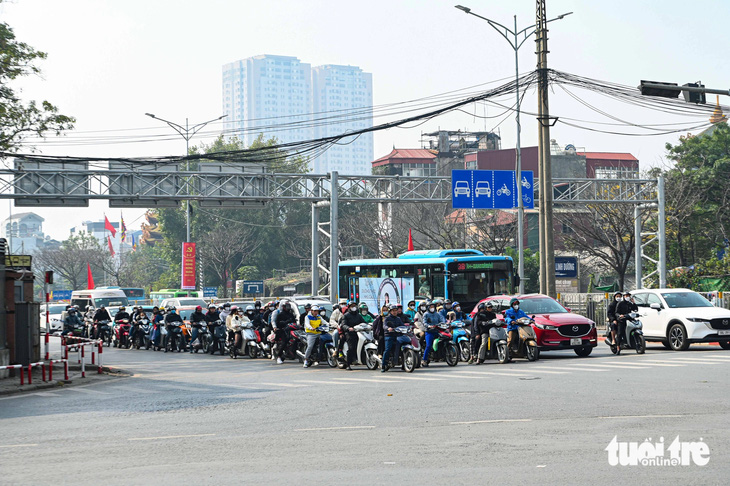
{"x":680,"y":317}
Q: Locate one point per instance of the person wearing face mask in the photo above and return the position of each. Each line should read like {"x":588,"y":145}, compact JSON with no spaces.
{"x":347,"y":326}
{"x":366,"y":315}
{"x":611,"y":314}
{"x":460,"y":316}
{"x":447,"y":308}
{"x":335,"y":318}
{"x":411,"y":310}
{"x":431,"y":319}
{"x":418,"y":328}
{"x":623,"y":309}
{"x":378,"y":333}
{"x":510,"y":316}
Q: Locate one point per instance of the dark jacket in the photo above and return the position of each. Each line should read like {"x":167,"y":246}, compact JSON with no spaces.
{"x":378,"y":327}
{"x":611,"y":312}
{"x":285,"y":318}
{"x":480,"y":323}
{"x":171,"y":318}
{"x":625,"y":307}
{"x":102,"y":315}
{"x":212,"y":316}
{"x":121,"y":315}
{"x":351,"y":319}
{"x":393,"y":322}
{"x":196,"y":318}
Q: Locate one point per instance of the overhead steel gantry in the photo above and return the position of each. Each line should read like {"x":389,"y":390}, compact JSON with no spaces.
{"x":74,"y":184}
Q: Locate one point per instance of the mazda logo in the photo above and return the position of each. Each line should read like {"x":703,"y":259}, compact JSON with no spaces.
{"x":575,"y":328}
{"x":724,"y":322}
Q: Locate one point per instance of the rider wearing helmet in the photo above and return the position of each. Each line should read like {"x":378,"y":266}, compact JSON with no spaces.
{"x":312,"y":325}
{"x":446,"y":309}
{"x":304,"y":314}
{"x":510,"y":316}
{"x":349,"y":320}
{"x":283,"y":318}
{"x":196,"y":322}
{"x":402,"y":315}
{"x":378,"y":333}
{"x":460,"y":315}
{"x":419,"y":329}
{"x":612,"y":317}
{"x":411,"y":310}
{"x":431,"y":319}
{"x":121,"y":314}
{"x":71,"y":321}
{"x":172,"y":319}
{"x":366,"y":315}
{"x":480,"y":331}
{"x":393,"y":339}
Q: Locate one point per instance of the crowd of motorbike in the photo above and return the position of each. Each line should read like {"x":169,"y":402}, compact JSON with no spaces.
{"x":394,"y":338}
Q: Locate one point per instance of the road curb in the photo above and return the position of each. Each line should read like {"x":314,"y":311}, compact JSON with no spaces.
{"x":14,"y":388}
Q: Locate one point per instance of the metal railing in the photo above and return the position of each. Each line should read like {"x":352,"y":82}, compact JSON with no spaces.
{"x":592,"y":306}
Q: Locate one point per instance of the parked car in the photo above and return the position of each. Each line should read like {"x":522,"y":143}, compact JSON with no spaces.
{"x":555,"y":326}
{"x":321,"y":302}
{"x":55,"y":320}
{"x":680,"y":317}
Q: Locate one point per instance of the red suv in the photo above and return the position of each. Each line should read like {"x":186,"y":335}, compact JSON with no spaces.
{"x":555,"y":326}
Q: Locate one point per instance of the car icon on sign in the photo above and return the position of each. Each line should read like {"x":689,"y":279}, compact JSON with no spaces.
{"x":461,"y":187}
{"x":482,"y":189}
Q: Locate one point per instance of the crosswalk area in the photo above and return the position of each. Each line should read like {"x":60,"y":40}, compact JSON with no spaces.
{"x":242,"y":378}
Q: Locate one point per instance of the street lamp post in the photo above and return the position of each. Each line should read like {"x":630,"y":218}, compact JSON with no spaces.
{"x":187,"y":132}
{"x":517,"y":39}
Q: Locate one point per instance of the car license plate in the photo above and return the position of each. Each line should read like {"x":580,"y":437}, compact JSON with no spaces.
{"x":723,"y":333}
{"x":576,"y":342}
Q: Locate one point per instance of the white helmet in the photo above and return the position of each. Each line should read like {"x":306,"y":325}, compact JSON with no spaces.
{"x":249,"y":308}
{"x":315,"y":308}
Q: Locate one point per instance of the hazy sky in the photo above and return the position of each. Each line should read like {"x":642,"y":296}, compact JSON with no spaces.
{"x":109,"y":62}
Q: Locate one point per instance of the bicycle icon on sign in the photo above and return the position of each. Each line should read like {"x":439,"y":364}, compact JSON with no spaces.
{"x":526,"y":199}
{"x":504,"y":191}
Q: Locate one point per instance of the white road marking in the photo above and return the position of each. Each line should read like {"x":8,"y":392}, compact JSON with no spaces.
{"x":640,"y":416}
{"x":610,"y":366}
{"x":17,"y":445}
{"x":45,"y":394}
{"x":84,"y":390}
{"x":699,"y":361}
{"x":491,"y":421}
{"x":288,"y":385}
{"x":581,"y":368}
{"x":328,"y":382}
{"x":354,"y":427}
{"x":133,"y":389}
{"x":409,"y":376}
{"x":171,"y":437}
{"x":369,"y":380}
{"x":540,"y":370}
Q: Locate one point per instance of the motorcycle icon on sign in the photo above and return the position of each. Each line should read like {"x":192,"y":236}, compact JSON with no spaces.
{"x":504,"y":191}
{"x":525,"y":184}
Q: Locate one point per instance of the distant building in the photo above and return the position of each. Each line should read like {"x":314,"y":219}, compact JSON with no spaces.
{"x":282,"y":97}
{"x":406,"y":162}
{"x":24,"y":233}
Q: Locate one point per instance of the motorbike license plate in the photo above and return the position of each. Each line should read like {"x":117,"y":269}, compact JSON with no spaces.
{"x":576,"y":341}
{"x":723,"y":333}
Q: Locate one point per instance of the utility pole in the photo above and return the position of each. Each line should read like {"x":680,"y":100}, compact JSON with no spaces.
{"x":547,"y":248}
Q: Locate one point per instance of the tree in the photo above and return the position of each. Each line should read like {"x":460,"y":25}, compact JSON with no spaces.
{"x":71,"y":259}
{"x":19,"y":120}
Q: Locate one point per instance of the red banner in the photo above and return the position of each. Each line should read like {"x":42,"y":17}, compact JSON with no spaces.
{"x":188,"y":266}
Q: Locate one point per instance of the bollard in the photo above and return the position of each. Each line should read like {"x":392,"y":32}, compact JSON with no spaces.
{"x":30,"y":375}
{"x":101,"y":349}
{"x":43,"y":371}
{"x":83,"y":363}
{"x":50,"y":370}
{"x":65,"y":369}
{"x":48,"y":353}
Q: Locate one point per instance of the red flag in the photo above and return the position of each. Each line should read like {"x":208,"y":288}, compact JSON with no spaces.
{"x":111,"y":248}
{"x":410,"y":240}
{"x":89,"y":277}
{"x":108,"y":226}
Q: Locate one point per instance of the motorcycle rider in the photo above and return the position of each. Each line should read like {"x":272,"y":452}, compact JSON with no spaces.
{"x":284,"y":317}
{"x":460,"y":316}
{"x":196,"y":320}
{"x":402,"y":315}
{"x":366,"y":315}
{"x":157,"y":321}
{"x":270,"y":308}
{"x":101,"y":314}
{"x":337,"y":312}
{"x":312,"y":322}
{"x":411,"y":310}
{"x":480,"y":330}
{"x":225,"y":312}
{"x":172,"y":320}
{"x":623,"y":309}
{"x":211,"y":318}
{"x":418,"y":329}
{"x":307,"y":308}
{"x":121,"y":314}
{"x":137,"y":315}
{"x":71,"y":321}
{"x":611,"y":314}
{"x":349,"y":320}
{"x":378,"y":334}
{"x":233,"y":320}
{"x":510,"y":316}
{"x":447,"y":308}
{"x":393,"y":340}
{"x":431,"y":319}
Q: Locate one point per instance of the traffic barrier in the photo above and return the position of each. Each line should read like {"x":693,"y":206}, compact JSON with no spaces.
{"x":15,"y":367}
{"x":42,"y":364}
{"x":50,"y":368}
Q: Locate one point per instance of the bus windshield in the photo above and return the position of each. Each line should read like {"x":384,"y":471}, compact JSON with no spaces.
{"x":110,"y":301}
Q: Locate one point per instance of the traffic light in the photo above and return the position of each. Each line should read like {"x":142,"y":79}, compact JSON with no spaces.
{"x":49,"y":276}
{"x":657,"y":91}
{"x":693,"y":96}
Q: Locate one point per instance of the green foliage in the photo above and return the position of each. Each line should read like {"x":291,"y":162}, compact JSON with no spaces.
{"x":19,"y":120}
{"x":532,"y":268}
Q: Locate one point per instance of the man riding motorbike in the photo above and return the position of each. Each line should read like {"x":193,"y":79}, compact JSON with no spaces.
{"x":284,"y":317}
{"x":411,"y":310}
{"x":211,"y":318}
{"x":349,"y":320}
{"x":431,"y":319}
{"x":378,"y":333}
{"x":623,"y":309}
{"x":418,"y":329}
{"x":196,"y":323}
{"x":510,"y":316}
{"x":71,"y":321}
{"x":480,"y":332}
{"x":447,"y":308}
{"x":365,"y":312}
{"x":611,"y":314}
{"x":137,"y":315}
{"x":393,"y":339}
{"x":312,"y":323}
{"x":173,"y":319}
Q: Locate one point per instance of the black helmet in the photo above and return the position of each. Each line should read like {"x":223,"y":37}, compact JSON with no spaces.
{"x":481,"y":307}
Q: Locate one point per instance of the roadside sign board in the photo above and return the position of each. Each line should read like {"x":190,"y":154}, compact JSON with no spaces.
{"x":61,"y":295}
{"x":253,"y":286}
{"x":490,"y":189}
{"x":566,"y":267}
{"x":210,"y":291}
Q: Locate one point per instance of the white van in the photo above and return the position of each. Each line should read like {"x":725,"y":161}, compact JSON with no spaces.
{"x":112,"y":299}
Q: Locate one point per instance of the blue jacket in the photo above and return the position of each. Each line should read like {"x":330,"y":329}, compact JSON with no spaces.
{"x":444,"y":311}
{"x":432,"y":319}
{"x":512,"y":315}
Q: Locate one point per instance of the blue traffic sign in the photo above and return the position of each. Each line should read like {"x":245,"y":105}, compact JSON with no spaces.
{"x":490,"y":189}
{"x":210,"y":291}
{"x":253,"y":286}
{"x":61,"y":295}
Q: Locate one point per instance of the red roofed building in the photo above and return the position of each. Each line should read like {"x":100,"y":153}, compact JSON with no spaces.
{"x":407,"y":162}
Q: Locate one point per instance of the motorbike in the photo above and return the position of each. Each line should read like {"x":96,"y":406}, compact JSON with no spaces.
{"x":218,"y":338}
{"x":293,"y":335}
{"x":203,"y":339}
{"x":367,"y":349}
{"x":633,"y":336}
{"x":324,"y":349}
{"x":143,"y":335}
{"x":526,"y":340}
{"x":497,"y":341}
{"x":244,"y":329}
{"x":88,"y":327}
{"x":444,"y":348}
{"x":409,"y":355}
{"x":175,"y":339}
{"x":104,"y":332}
{"x":460,"y":335}
{"x":121,"y":334}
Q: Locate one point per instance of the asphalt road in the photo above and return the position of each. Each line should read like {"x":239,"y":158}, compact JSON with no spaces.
{"x":195,"y":419}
